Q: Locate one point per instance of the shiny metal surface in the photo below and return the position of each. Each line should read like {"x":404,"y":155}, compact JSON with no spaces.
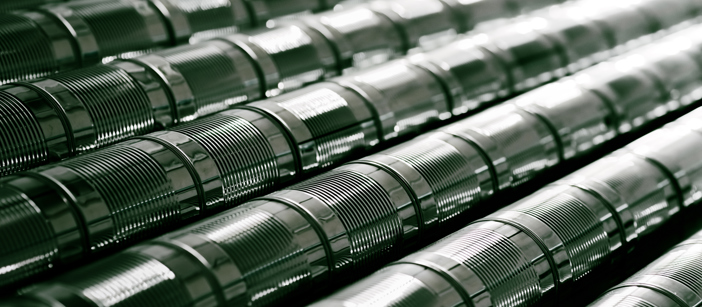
{"x":188,"y":82}
{"x":536,"y":251}
{"x":104,"y":29}
{"x":191,"y":21}
{"x":68,"y":35}
{"x":517,"y":143}
{"x":404,"y":97}
{"x":361,"y":36}
{"x":342,"y":223}
{"x":672,"y":280}
{"x":77,"y":112}
{"x":202,"y":79}
{"x":327,"y":123}
{"x":279,"y":53}
{"x":423,"y":23}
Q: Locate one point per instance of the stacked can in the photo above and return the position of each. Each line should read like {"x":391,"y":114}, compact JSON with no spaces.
{"x":537,"y":249}
{"x":672,"y":280}
{"x":228,"y":158}
{"x":74,"y":112}
{"x":61,"y":36}
{"x":180,"y":84}
{"x":359,"y":215}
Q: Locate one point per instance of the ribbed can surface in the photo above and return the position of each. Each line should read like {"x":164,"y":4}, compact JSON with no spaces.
{"x":135,"y":189}
{"x":674,"y":279}
{"x":340,"y":145}
{"x":130,"y":280}
{"x":682,"y":264}
{"x":634,"y":302}
{"x":27,"y":51}
{"x":118,"y":106}
{"x":453,"y":184}
{"x":644,"y":188}
{"x":623,"y":297}
{"x":388,"y":287}
{"x":322,"y":110}
{"x":301,"y":56}
{"x":118,"y":26}
{"x":581,"y":232}
{"x":366,"y":210}
{"x":243,"y":155}
{"x":211,"y":75}
{"x":519,"y":144}
{"x":211,"y":17}
{"x":262,"y":247}
{"x":24,"y":229}
{"x":21,"y":140}
{"x":336,"y":131}
{"x":274,"y":265}
{"x":510,"y":278}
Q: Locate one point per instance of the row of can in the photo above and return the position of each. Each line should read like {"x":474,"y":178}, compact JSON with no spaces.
{"x":539,"y":249}
{"x":61,"y":36}
{"x":301,"y":238}
{"x":671,"y":280}
{"x":142,"y":186}
{"x":78,"y":111}
{"x":64,"y":36}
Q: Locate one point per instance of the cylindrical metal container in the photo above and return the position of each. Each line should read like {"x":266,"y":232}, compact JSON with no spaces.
{"x":226,"y":159}
{"x":671,"y":280}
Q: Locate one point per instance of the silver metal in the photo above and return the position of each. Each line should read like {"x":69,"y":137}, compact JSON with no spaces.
{"x":99,"y":27}
{"x":204,"y":78}
{"x":263,"y":10}
{"x":46,"y":223}
{"x":474,"y":12}
{"x":583,"y":223}
{"x":579,"y":118}
{"x":109,"y":217}
{"x":519,"y":144}
{"x":424,"y":23}
{"x":536,"y":250}
{"x":583,"y":42}
{"x":404,"y":97}
{"x":634,"y":296}
{"x":192,"y":173}
{"x":197,"y":20}
{"x":48,"y":119}
{"x":22,"y":148}
{"x":675,"y":148}
{"x":633,"y":94}
{"x":667,"y":15}
{"x":362,"y":37}
{"x":188,"y":82}
{"x":472,"y":75}
{"x":244,"y":171}
{"x":35,"y":46}
{"x":369,"y":210}
{"x":640,"y":193}
{"x":13,"y":5}
{"x":362,"y":214}
{"x":402,"y":284}
{"x":279,"y":51}
{"x":676,"y":69}
{"x":328,"y":123}
{"x":668,"y":281}
{"x":61,"y":36}
{"x":76,"y":114}
{"x":531,"y":58}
